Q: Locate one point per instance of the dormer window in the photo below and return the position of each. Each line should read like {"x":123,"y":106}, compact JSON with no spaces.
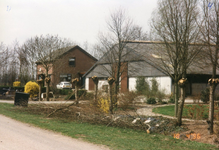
{"x":72,"y":62}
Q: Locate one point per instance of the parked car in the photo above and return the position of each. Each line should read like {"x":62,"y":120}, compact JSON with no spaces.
{"x":64,"y":85}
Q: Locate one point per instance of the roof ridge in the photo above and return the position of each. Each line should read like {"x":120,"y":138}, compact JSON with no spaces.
{"x":161,"y":42}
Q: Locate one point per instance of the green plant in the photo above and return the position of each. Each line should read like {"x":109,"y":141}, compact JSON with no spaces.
{"x":160,"y":95}
{"x":154,"y":87}
{"x":65,"y":91}
{"x":171,"y":99}
{"x":151,"y":101}
{"x":205,"y":95}
{"x":20,"y":89}
{"x":195,"y":111}
{"x":32,"y":88}
{"x":142,"y":85}
{"x":163,"y":102}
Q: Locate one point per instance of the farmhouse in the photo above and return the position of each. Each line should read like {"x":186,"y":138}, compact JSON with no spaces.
{"x":68,"y":63}
{"x":139,"y":59}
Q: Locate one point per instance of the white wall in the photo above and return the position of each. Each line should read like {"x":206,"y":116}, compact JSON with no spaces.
{"x":87,"y":84}
{"x":132,"y":84}
{"x":163,"y":82}
{"x":100,"y":84}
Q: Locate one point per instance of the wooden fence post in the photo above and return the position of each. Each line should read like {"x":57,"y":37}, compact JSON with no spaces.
{"x":76,"y":81}
{"x":95,"y":80}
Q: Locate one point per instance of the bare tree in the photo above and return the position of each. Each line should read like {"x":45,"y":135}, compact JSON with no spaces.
{"x":174,"y":23}
{"x":8,"y":63}
{"x":24,"y":65}
{"x":4,"y":55}
{"x":13,"y":68}
{"x":43,"y":50}
{"x":112,"y":45}
{"x":210,"y":36}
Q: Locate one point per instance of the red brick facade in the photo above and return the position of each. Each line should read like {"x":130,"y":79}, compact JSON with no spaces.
{"x":61,"y":69}
{"x":91,"y":84}
{"x":124,"y":79}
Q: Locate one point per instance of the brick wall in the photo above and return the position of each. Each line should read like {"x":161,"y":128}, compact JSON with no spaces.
{"x":124,"y":78}
{"x":61,"y":66}
{"x":91,"y":84}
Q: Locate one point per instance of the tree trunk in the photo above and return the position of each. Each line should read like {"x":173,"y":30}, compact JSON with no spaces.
{"x":116,"y":89}
{"x":211,"y":108}
{"x":76,"y":93}
{"x":180,"y":111}
{"x":47,"y":91}
{"x":111,"y":81}
{"x":96,"y":90}
{"x":176,"y":97}
{"x":40,"y":91}
{"x":111,"y":98}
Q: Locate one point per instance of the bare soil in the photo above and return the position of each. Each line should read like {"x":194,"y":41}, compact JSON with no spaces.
{"x":198,"y":131}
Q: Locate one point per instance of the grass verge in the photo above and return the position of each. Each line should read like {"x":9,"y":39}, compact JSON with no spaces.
{"x":189,"y":111}
{"x":115,"y":138}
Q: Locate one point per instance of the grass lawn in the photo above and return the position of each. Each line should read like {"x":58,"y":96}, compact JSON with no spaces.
{"x":166,"y":110}
{"x":115,"y":138}
{"x":189,"y":111}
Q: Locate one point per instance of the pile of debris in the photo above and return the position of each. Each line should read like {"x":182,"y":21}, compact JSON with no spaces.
{"x":149,"y":124}
{"x":155,"y":124}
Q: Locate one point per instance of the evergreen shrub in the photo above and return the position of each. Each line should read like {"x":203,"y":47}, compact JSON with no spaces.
{"x":151,"y":101}
{"x":205,"y":95}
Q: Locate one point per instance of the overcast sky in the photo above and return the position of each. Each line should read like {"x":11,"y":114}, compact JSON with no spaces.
{"x":78,"y":20}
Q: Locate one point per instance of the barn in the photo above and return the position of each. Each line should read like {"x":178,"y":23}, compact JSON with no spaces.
{"x":140,"y":59}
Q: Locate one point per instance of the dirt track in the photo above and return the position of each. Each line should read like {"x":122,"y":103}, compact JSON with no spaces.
{"x":15,"y":135}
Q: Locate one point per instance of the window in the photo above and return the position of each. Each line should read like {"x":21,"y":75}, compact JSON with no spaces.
{"x":72,"y":62}
{"x":65,"y":77}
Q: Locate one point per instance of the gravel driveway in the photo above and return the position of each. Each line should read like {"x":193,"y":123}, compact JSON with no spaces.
{"x":15,"y":135}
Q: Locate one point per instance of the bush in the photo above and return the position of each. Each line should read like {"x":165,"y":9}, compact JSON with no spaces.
{"x":125,"y":99}
{"x":16,"y":83}
{"x":65,"y":91}
{"x":89,"y":96}
{"x":196,"y":111}
{"x":160,"y":95}
{"x":151,"y":101}
{"x":103,"y":104}
{"x":163,"y":102}
{"x":32,"y":88}
{"x":205,"y":95}
{"x":20,"y":89}
{"x":142,"y":86}
{"x":72,"y":94}
{"x":43,"y":90}
{"x":171,"y":99}
{"x":154,"y":87}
